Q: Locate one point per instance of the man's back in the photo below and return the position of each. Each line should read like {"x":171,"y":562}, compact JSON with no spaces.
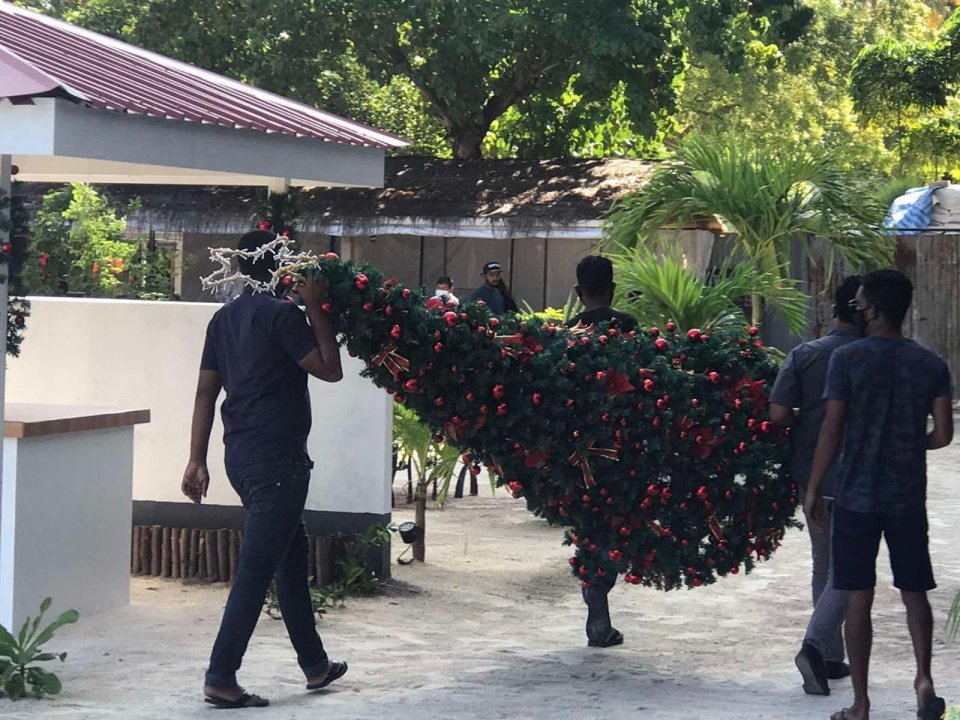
{"x":624,"y":322}
{"x":254,"y":343}
{"x":800,"y":385}
{"x":888,"y":385}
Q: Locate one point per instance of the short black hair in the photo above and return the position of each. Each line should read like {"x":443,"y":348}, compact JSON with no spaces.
{"x":445,"y":280}
{"x":890,"y":292}
{"x":595,"y":275}
{"x":262,"y":269}
{"x":845,"y":294}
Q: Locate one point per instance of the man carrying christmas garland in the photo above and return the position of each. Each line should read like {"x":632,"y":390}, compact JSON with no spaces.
{"x":259,"y":349}
{"x":595,"y":288}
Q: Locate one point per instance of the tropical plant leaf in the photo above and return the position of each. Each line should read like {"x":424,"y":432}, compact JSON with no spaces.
{"x":657,"y":289}
{"x":67,"y":617}
{"x":953,"y":619}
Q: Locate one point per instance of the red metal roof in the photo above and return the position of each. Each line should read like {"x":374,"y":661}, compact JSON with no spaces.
{"x":113,"y":75}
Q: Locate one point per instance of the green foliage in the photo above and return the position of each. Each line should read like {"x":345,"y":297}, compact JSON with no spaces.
{"x":80,"y":238}
{"x":13,"y":222}
{"x":571,"y":308}
{"x":953,"y":620}
{"x":650,"y":448}
{"x":657,"y":289}
{"x":768,"y":198}
{"x":20,"y":672}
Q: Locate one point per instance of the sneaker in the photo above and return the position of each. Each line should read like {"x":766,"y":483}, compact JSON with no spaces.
{"x":813,"y":669}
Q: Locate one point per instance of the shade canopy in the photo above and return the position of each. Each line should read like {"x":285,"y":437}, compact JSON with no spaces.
{"x":79,"y":106}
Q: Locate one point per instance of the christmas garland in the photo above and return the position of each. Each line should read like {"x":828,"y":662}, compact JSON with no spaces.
{"x":651,"y":448}
{"x":12,"y":253}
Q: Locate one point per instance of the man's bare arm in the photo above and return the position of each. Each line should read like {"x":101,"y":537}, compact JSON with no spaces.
{"x":324,"y":361}
{"x":942,"y":434}
{"x":828,"y":444}
{"x":196,"y":478}
{"x":781,"y":415}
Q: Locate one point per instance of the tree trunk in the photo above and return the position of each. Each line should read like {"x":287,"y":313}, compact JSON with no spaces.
{"x":468,"y":143}
{"x":420,"y":518}
{"x":756,"y":310}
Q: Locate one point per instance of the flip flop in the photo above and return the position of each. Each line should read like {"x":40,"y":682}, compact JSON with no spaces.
{"x":244,"y":701}
{"x":336,"y":671}
{"x":933,"y":709}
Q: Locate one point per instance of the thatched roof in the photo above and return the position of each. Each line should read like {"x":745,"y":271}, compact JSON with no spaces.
{"x":520,"y":191}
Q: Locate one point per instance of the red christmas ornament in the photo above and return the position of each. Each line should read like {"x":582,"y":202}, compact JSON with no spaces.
{"x":405,"y":294}
{"x":326,"y":307}
{"x":660,"y":344}
{"x":498,"y":391}
{"x":331,"y":256}
{"x":410,"y":386}
{"x":438,"y":401}
{"x":494,"y":323}
{"x":360,"y":281}
{"x":367,"y":307}
{"x":670,"y":327}
{"x":6,"y":247}
{"x":399,"y":399}
{"x":648,"y":385}
{"x":693,"y":334}
{"x":264,"y":225}
{"x":450,"y":318}
{"x":396,"y":332}
{"x":654,"y":331}
{"x":754,"y":331}
{"x":535,"y":399}
{"x":502,"y":409}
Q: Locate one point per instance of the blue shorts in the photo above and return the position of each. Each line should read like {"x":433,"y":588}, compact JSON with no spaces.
{"x":856,"y":542}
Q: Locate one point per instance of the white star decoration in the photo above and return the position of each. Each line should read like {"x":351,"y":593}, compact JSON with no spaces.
{"x":288,"y":263}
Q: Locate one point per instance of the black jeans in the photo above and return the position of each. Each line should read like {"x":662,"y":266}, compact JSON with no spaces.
{"x":274,"y":493}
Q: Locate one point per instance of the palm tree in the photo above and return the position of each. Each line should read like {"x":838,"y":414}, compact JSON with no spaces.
{"x":766,"y":198}
{"x":431,"y":462}
{"x":659,"y":289}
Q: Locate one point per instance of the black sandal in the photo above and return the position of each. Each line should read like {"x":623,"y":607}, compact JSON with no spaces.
{"x":933,"y":709}
{"x":335,"y":671}
{"x":244,"y":701}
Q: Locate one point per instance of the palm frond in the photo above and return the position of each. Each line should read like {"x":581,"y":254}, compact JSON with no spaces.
{"x":658,"y":288}
{"x":953,"y":619}
{"x":765,"y":198}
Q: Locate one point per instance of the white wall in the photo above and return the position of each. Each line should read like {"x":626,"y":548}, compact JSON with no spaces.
{"x":125,"y":353}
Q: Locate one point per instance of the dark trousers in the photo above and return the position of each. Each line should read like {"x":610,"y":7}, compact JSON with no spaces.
{"x":599,"y":626}
{"x":274,"y":545}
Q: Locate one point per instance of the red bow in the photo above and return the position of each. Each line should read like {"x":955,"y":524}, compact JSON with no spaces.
{"x":392,"y":361}
{"x":580,"y":459}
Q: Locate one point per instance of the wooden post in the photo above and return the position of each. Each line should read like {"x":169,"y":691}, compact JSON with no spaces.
{"x":213,"y":568}
{"x":234,"y":551}
{"x":175,"y":553}
{"x":223,"y":554}
{"x":135,"y":554}
{"x":202,"y":569}
{"x":194,"y":566}
{"x":324,"y":562}
{"x":155,"y":535}
{"x":184,"y":554}
{"x":165,"y":553}
{"x":144,"y":550}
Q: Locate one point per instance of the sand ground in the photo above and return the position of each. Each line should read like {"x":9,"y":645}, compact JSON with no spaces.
{"x":492,"y":627}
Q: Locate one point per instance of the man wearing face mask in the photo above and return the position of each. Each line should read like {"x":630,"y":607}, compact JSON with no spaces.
{"x":800,"y":385}
{"x":881,"y":391}
{"x":444,"y":290}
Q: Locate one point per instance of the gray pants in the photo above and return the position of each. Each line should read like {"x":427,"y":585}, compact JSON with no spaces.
{"x":825,"y":629}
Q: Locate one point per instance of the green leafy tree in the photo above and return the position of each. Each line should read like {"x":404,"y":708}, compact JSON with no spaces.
{"x":768,"y":199}
{"x":79,"y":238}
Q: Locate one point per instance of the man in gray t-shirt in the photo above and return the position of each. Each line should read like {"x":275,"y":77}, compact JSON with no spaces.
{"x":797,"y":401}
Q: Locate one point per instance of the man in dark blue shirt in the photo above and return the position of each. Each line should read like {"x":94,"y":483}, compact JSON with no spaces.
{"x":494,"y":291}
{"x":595,"y":288}
{"x":881,"y":390}
{"x":259,"y":349}
{"x":800,"y":384}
